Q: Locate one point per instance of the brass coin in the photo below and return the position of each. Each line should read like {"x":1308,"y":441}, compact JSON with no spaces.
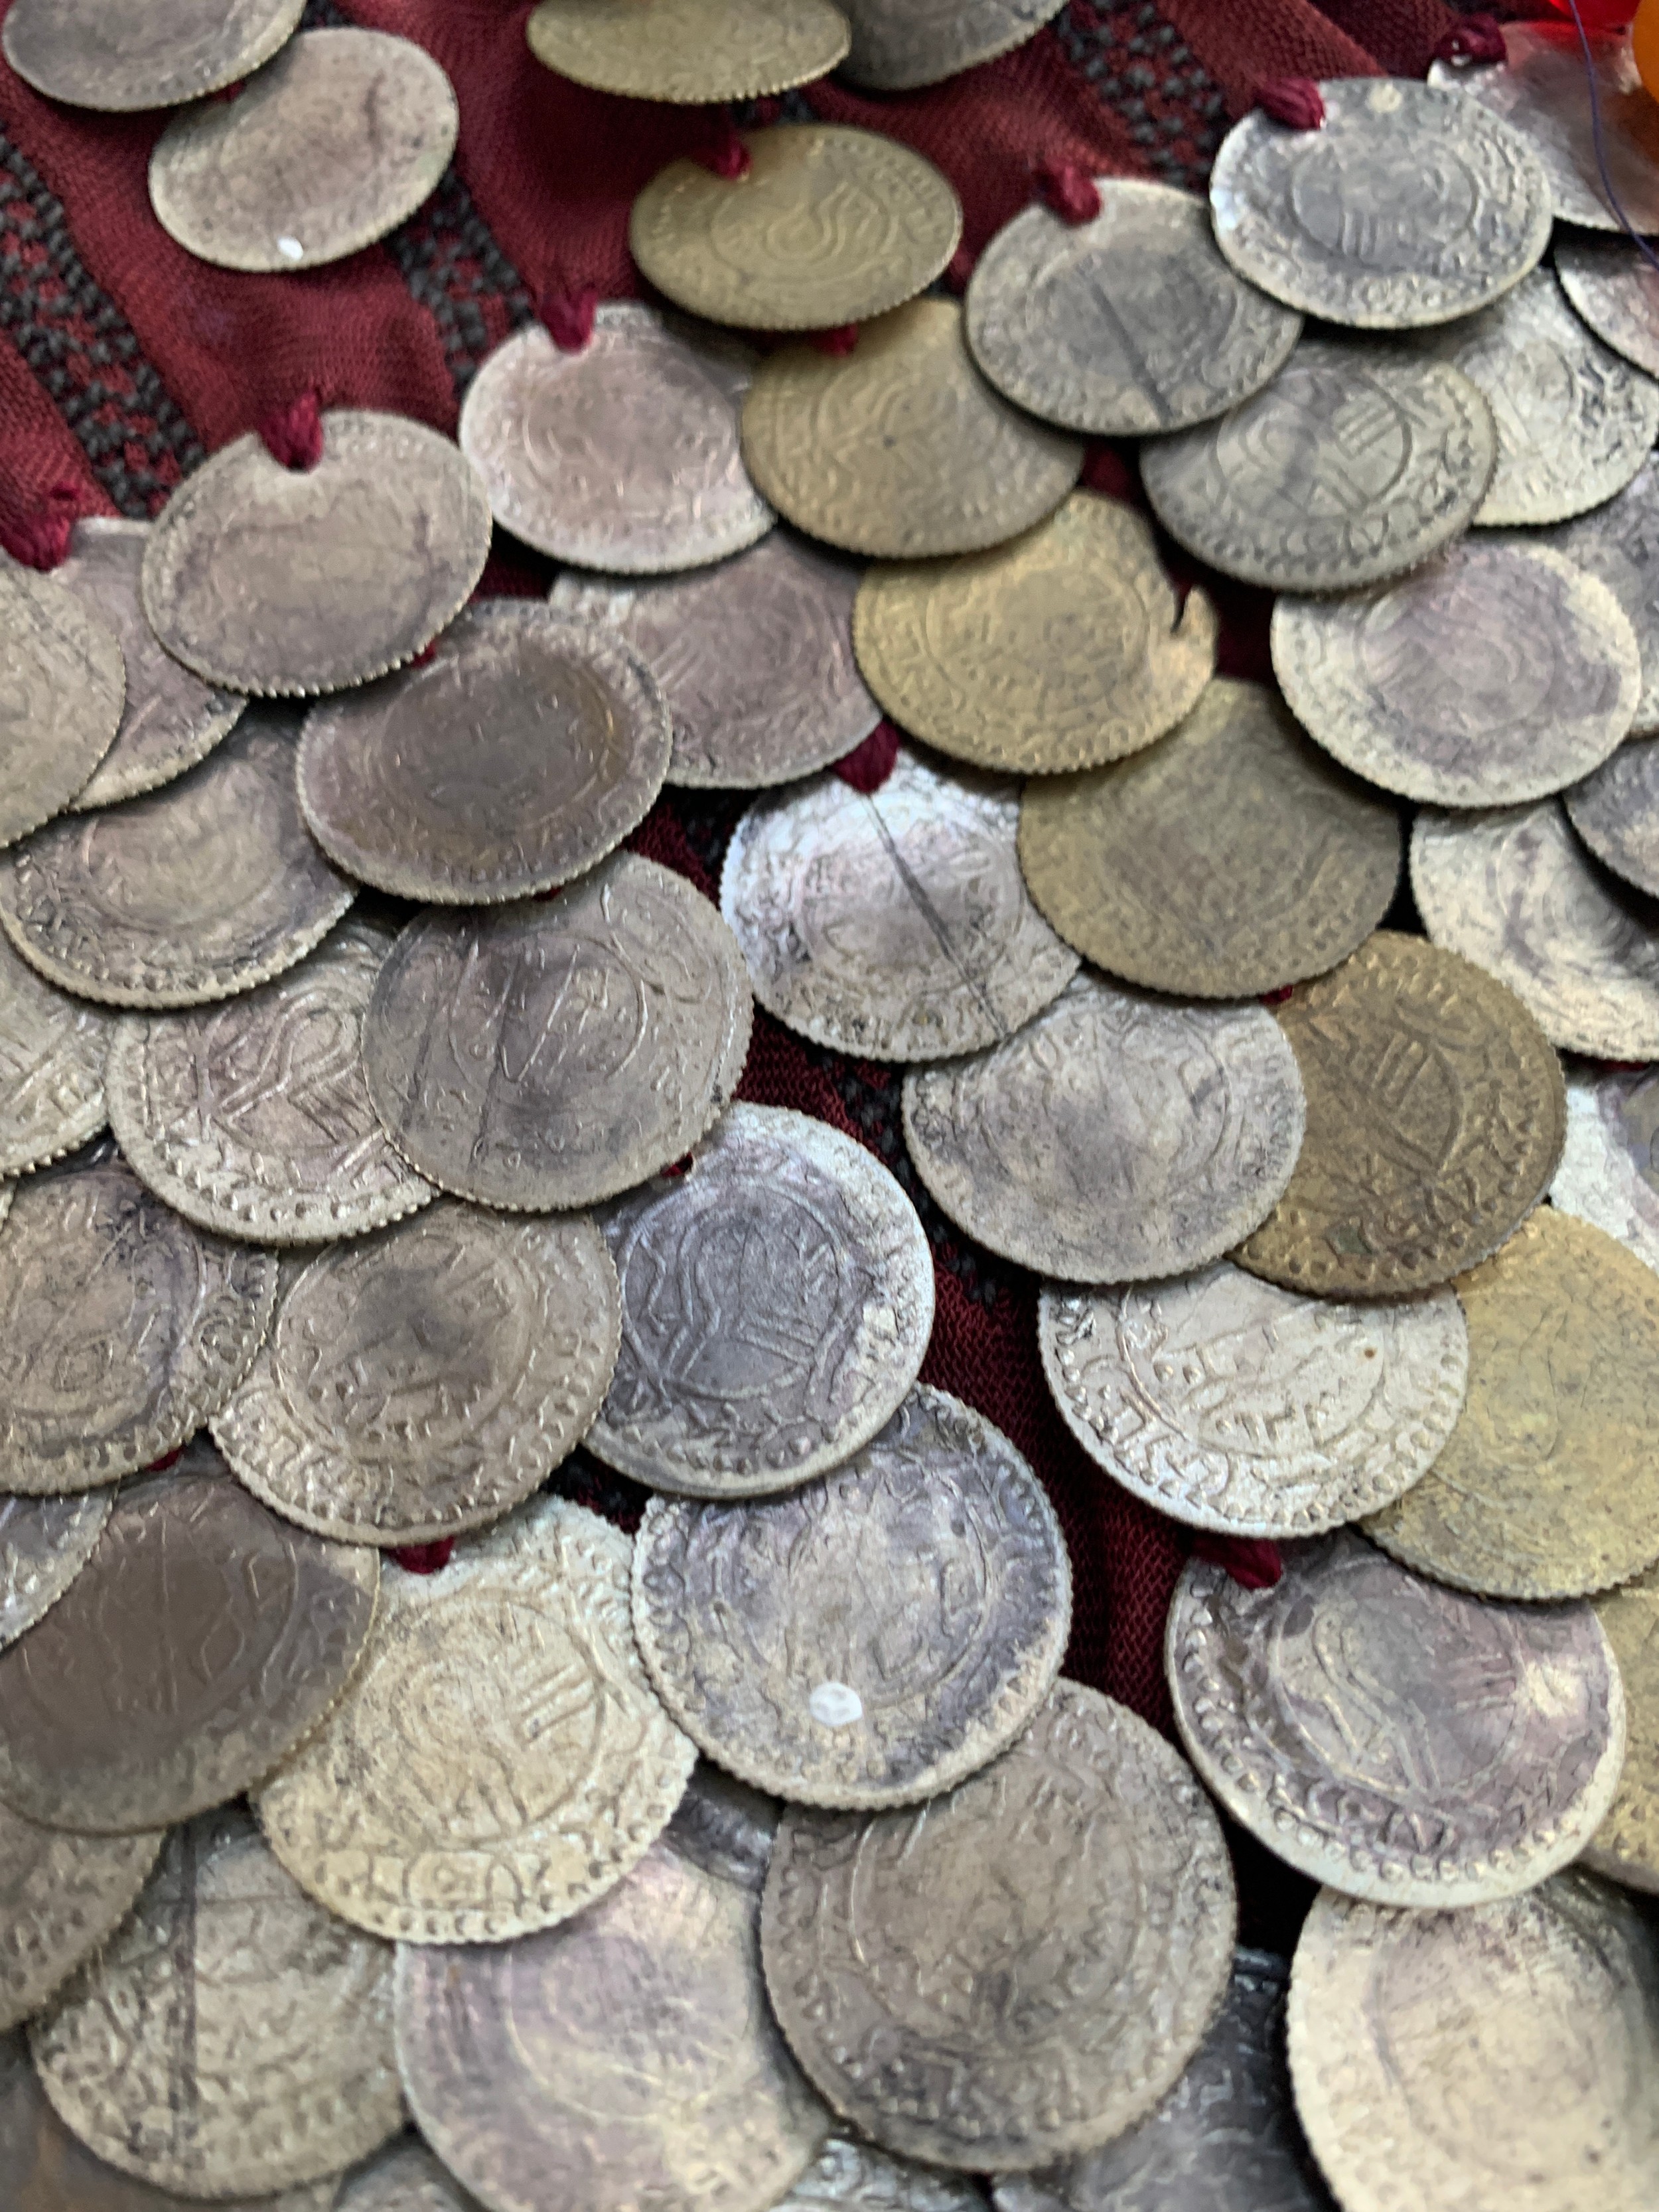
{"x":829,"y":226}
{"x":328,"y":147}
{"x":1431,"y":2051}
{"x":1409,"y":206}
{"x":52,"y":1068}
{"x":874,"y":1637}
{"x":777,"y":1301}
{"x":950,"y":2018}
{"x":425,"y":1380}
{"x":1610,"y":1173}
{"x":898,"y":43}
{"x":628,"y":2057}
{"x":857,"y":2174}
{"x":545,"y":1055}
{"x":188,"y":894}
{"x":1616,"y":292}
{"x":85,"y":53}
{"x":689,"y":51}
{"x":891,"y":925}
{"x":1514,"y":892}
{"x":253,"y":1118}
{"x":1549,"y":1485}
{"x":1114,"y":1137}
{"x":521,"y":753}
{"x":232,"y":2037}
{"x":1495,"y":672}
{"x":500,"y":1760}
{"x":1625,"y":1847}
{"x":1436,"y":1112}
{"x":1230,"y":1404}
{"x":61,"y":686}
{"x":1355,"y":463}
{"x":60,"y":1897}
{"x":1391,"y":1737}
{"x":754,"y":655}
{"x":625,"y":455}
{"x":404,"y":2177}
{"x":122,"y":1327}
{"x":202,"y":1640}
{"x":43,"y":1544}
{"x":1228,"y":860}
{"x":356,"y":565}
{"x":1061,"y":650}
{"x":1616,"y":813}
{"x":1617,"y":544}
{"x":900,"y":448}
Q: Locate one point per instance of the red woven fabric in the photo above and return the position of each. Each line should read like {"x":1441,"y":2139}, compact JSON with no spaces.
{"x":41,"y":539}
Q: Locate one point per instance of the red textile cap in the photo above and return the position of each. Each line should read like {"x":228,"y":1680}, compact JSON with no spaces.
{"x":568,"y":315}
{"x":1295,"y":101}
{"x":1069,"y":190}
{"x":294,"y":434}
{"x":423,"y":1558}
{"x":1252,"y":1562}
{"x":842,"y":340}
{"x":41,"y":540}
{"x":1476,"y":38}
{"x":868,"y":766}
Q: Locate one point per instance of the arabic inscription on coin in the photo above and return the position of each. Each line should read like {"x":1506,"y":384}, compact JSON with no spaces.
{"x":1625,"y":1847}
{"x":62,"y":683}
{"x":1619,"y":544}
{"x":1616,"y":811}
{"x":1609,"y":1170}
{"x":1617,"y":293}
{"x":695,"y":52}
{"x":52,"y":1068}
{"x":83,"y":54}
{"x":43,"y":1544}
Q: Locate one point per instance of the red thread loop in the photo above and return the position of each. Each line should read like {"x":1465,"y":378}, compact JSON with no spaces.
{"x":1069,"y":190}
{"x":41,"y":540}
{"x":1476,"y":38}
{"x":1253,"y":1563}
{"x":167,"y":1459}
{"x":676,"y":1169}
{"x":836,"y":342}
{"x":1277,"y":997}
{"x":423,"y":1558}
{"x":568,"y":315}
{"x":868,"y":766}
{"x":960,"y":267}
{"x":1295,"y":101}
{"x":227,"y":92}
{"x":727,"y":156}
{"x":427,"y":653}
{"x":294,"y":434}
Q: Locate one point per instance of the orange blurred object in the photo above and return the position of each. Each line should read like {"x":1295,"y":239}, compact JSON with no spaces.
{"x":1605,"y":15}
{"x":1644,"y":44}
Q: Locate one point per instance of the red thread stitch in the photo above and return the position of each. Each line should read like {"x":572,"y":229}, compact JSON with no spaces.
{"x":41,"y":540}
{"x":293,"y":434}
{"x":1069,"y":190}
{"x":1295,"y":101}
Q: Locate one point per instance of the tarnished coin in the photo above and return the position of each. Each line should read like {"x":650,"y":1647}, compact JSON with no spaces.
{"x":404,"y":2177}
{"x":185,"y":894}
{"x":60,"y":1897}
{"x":1575,"y":422}
{"x":1115,"y":1136}
{"x":1354,"y":464}
{"x":52,"y":1068}
{"x":1436,"y":1113}
{"x":1227,"y":861}
{"x":500,"y":1760}
{"x":1616,"y":813}
{"x":43,"y":1544}
{"x":777,"y":1301}
{"x":689,"y":50}
{"x":522,"y":752}
{"x":1485,"y":2060}
{"x":754,"y":655}
{"x":1514,"y":892}
{"x":1549,"y":1485}
{"x":870,"y":1639}
{"x":1226,"y":2139}
{"x":1619,"y":544}
{"x":426,"y":1380}
{"x":122,"y":1327}
{"x":1230,"y":1404}
{"x":1130,"y":323}
{"x":1609,"y":1171}
{"x":355,"y":565}
{"x":856,"y":2175}
{"x":1625,"y":1847}
{"x":62,"y":686}
{"x":328,"y":147}
{"x":1616,"y":289}
{"x":892,"y":924}
{"x":628,"y":2057}
{"x":1389,"y":1736}
{"x":1061,"y":650}
{"x":899,"y":44}
{"x":89,"y":54}
{"x":950,"y":2016}
{"x":232,"y":2036}
{"x":253,"y":1118}
{"x":1495,"y":672}
{"x":828,"y":225}
{"x":900,"y":448}
{"x":547,"y":1055}
{"x":204,"y":1638}
{"x":624,"y":455}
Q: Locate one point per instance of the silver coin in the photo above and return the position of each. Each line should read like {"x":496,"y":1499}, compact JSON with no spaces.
{"x":856,"y":2174}
{"x":1355,"y":463}
{"x":60,"y":1896}
{"x":52,"y":1068}
{"x":404,"y":2177}
{"x":1575,"y":422}
{"x":777,"y":1301}
{"x":1129,"y":324}
{"x":1230,"y":1404}
{"x":253,"y":1118}
{"x":88,"y":55}
{"x":1226,"y":2139}
{"x":624,"y":456}
{"x":1116,"y":1136}
{"x":754,"y":655}
{"x":1393,"y":1738}
{"x":1616,"y":813}
{"x":43,"y":1544}
{"x":1616,"y":289}
{"x":1618,"y":543}
{"x":1494,"y":672}
{"x":894,"y":925}
{"x":519,"y":755}
{"x":1609,"y":1170}
{"x":185,"y":894}
{"x":900,"y":43}
{"x":62,"y":684}
{"x":1408,"y":205}
{"x":548,"y":1055}
{"x":875,"y":1637}
{"x":1514,"y":892}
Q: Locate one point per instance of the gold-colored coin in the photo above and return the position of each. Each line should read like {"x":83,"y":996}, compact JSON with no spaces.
{"x":689,"y":51}
{"x":1436,"y":1116}
{"x":900,"y":448}
{"x":829,"y":226}
{"x":1549,"y":1486}
{"x":60,"y":1895}
{"x":1228,"y":860}
{"x":1627,"y":1845}
{"x":1061,"y":650}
